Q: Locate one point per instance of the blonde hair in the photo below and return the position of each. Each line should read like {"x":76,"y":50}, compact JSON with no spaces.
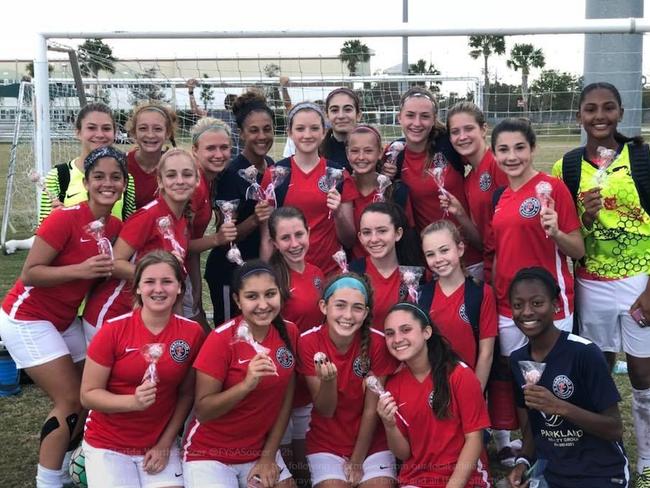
{"x":151,"y":106}
{"x":208,"y":124}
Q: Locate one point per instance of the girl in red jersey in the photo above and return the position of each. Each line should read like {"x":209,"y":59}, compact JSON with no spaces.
{"x":427,"y":149}
{"x":211,"y":147}
{"x":382,"y":235}
{"x":440,"y":398}
{"x":38,"y":321}
{"x":343,"y":446}
{"x":243,"y":397}
{"x":161,"y":224}
{"x":328,"y":209}
{"x":301,"y":285}
{"x":364,"y":150}
{"x":467,"y":129}
{"x":343,"y":110}
{"x":443,"y":250}
{"x":150,"y":125}
{"x":130,"y":434}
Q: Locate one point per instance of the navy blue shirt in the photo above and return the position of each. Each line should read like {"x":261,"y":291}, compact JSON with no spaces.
{"x":335,"y":150}
{"x":576,"y":372}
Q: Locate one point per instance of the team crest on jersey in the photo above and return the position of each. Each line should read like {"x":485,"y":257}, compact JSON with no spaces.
{"x":485,"y":181}
{"x":563,"y":387}
{"x":360,"y":367}
{"x":322,"y":184}
{"x":530,"y":207}
{"x":430,"y":400}
{"x":552,"y":420}
{"x":462,"y":313}
{"x":179,"y":350}
{"x":439,"y":160}
{"x":284,"y":357}
{"x":318,"y":283}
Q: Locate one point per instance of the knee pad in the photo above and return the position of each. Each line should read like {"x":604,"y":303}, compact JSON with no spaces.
{"x":49,"y":426}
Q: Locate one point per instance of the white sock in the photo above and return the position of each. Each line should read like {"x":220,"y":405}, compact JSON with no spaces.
{"x":65,"y":468}
{"x":501,"y":438}
{"x":48,"y":478}
{"x":641,"y":416}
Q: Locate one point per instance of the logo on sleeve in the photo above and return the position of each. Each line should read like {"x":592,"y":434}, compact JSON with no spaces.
{"x":360,"y":367}
{"x":462,"y":313}
{"x":562,"y":387}
{"x":530,"y":207}
{"x":179,"y":350}
{"x":284,"y":357}
{"x":485,"y":181}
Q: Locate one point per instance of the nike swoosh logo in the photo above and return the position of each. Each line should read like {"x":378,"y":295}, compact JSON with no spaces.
{"x":84,"y":240}
{"x":381,"y":466}
{"x":131,"y":349}
{"x":178,"y":475}
{"x":244,"y":361}
{"x":71,"y":196}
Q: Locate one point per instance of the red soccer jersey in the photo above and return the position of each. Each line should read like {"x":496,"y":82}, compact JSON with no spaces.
{"x":239,"y":435}
{"x":305,"y":289}
{"x":146,"y":184}
{"x":519,"y":241}
{"x":386,"y":292}
{"x":449,"y":314}
{"x":117,"y":346}
{"x":308,"y":192}
{"x":436,"y":444}
{"x":201,"y":207}
{"x":63,"y":230}
{"x":338,"y":434}
{"x":424,"y":192}
{"x":480,"y":184}
{"x":141,"y":231}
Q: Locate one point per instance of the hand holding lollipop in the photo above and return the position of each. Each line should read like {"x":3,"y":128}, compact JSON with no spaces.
{"x":152,"y":353}
{"x":374,"y":385}
{"x":333,"y":176}
{"x":37,"y":178}
{"x":532,"y":371}
{"x":254,"y":190}
{"x":227,"y":208}
{"x":390,"y":158}
{"x":383,"y":182}
{"x":411,"y":276}
{"x":341,"y":259}
{"x":278,"y":175}
{"x":95,"y":229}
{"x":605,"y":158}
{"x":244,"y":334}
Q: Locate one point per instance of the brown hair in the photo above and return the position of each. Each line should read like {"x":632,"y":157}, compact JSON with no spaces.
{"x":469,"y":108}
{"x":156,"y":257}
{"x":90,"y":108}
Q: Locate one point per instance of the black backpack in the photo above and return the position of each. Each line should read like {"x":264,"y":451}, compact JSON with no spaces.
{"x":639,"y":169}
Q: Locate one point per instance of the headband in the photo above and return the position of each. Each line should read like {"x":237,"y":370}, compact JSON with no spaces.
{"x":153,"y":108}
{"x":256,"y":270}
{"x":345,"y":91}
{"x":215,"y":126}
{"x":419,"y":95}
{"x":364,"y":129}
{"x":305,"y":106}
{"x":426,"y":320}
{"x":105,"y":152}
{"x":346,"y":282}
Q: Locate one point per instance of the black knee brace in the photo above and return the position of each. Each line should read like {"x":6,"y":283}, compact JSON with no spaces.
{"x":49,"y":426}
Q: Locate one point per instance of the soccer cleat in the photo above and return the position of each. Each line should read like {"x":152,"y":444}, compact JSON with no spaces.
{"x":643,"y":481}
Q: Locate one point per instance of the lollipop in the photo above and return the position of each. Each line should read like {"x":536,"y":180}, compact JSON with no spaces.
{"x":390,"y":156}
{"x":36,"y":178}
{"x":411,"y":276}
{"x":341,"y":259}
{"x":165,"y":227}
{"x":543,"y":189}
{"x":383,"y":182}
{"x":532,"y":371}
{"x":333,"y":176}
{"x":95,"y":229}
{"x":244,"y":334}
{"x":438,"y":175}
{"x":278,"y":175}
{"x":234,"y":255}
{"x":228,"y":208}
{"x":254,"y":190}
{"x":152,"y":353}
{"x":605,"y":158}
{"x":373,"y":383}
{"x":320,"y":357}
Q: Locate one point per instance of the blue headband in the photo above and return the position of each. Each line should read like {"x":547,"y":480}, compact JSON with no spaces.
{"x":346,"y":282}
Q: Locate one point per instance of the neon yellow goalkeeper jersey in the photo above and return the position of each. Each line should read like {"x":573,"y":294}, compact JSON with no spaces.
{"x":618,"y":244}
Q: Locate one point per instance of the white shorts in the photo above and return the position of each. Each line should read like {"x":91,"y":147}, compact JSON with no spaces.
{"x":298,"y":425}
{"x":89,"y":330}
{"x":36,"y":342}
{"x":219,"y":475}
{"x":111,"y":469}
{"x":511,"y":338}
{"x":604,"y":315}
{"x":325,"y":466}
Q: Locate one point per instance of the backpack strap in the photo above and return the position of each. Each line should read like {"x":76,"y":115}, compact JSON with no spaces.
{"x":281,"y":191}
{"x":63,"y":175}
{"x":640,"y":170}
{"x":473,"y":300}
{"x":571,"y":170}
{"x":496,"y":196}
{"x":358,"y":266}
{"x":426,"y":295}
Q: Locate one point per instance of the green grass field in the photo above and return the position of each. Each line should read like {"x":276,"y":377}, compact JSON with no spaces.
{"x":22,"y":415}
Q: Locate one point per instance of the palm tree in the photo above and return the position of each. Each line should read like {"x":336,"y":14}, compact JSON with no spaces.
{"x":524,"y":57}
{"x":352,"y":53}
{"x":95,"y":56}
{"x":486,"y":46}
{"x":29,"y":69}
{"x":420,"y":68}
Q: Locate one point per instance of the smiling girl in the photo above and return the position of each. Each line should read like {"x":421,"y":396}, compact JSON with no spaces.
{"x":343,"y":111}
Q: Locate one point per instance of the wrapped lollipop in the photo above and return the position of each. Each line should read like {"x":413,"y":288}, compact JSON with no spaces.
{"x":254,"y":190}
{"x":320,"y":357}
{"x":438,"y":175}
{"x":373,"y":383}
{"x":333,"y":176}
{"x":278,"y":175}
{"x":411,"y":276}
{"x":543,"y":190}
{"x":165,"y":226}
{"x":390,"y":155}
{"x":95,"y":229}
{"x":228,"y":208}
{"x":605,"y":158}
{"x":36,"y":178}
{"x":341,"y":259}
{"x":152,"y":353}
{"x":532,"y":371}
{"x":244,"y":334}
{"x":383,"y":182}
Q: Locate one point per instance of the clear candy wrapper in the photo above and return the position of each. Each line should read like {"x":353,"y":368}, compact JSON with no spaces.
{"x":393,"y":151}
{"x":411,"y":276}
{"x":228,"y":208}
{"x":95,"y":229}
{"x":36,"y":178}
{"x":166,"y":227}
{"x":383,"y":182}
{"x":531,"y":371}
{"x":152,"y":353}
{"x":374,"y":385}
{"x":254,"y":190}
{"x":234,"y":255}
{"x":333,"y":176}
{"x":341,"y":260}
{"x":244,"y":334}
{"x":320,"y":357}
{"x":438,"y":175}
{"x":278,"y":175}
{"x":605,"y":158}
{"x":543,"y":190}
